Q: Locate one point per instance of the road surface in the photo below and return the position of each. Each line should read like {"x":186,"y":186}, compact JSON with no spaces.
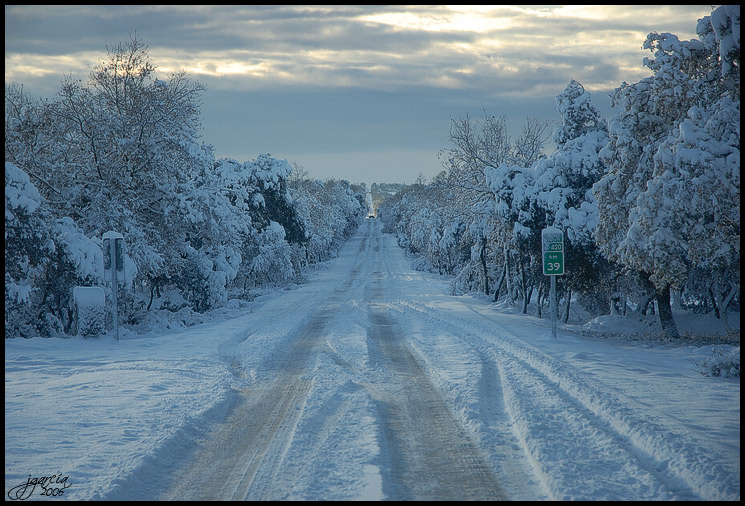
{"x":422,"y":450}
{"x":382,"y":386}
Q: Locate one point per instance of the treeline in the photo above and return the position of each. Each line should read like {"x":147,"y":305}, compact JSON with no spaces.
{"x":122,"y":152}
{"x":648,"y":199}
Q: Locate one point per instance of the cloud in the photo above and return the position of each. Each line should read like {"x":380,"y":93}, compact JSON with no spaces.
{"x":370,"y":47}
{"x":316,"y":79}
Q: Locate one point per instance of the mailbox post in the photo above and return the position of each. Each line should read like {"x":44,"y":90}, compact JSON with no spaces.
{"x":552,"y":244}
{"x":113,"y":266}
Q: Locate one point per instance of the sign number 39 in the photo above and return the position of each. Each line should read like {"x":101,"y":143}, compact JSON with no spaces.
{"x":553,"y":266}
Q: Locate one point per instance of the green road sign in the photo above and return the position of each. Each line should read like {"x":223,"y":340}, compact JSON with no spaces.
{"x":553,"y":252}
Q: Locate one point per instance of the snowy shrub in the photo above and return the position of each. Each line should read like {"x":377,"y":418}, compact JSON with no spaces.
{"x":26,"y":235}
{"x":81,"y":251}
{"x":328,"y":212}
{"x":27,"y":250}
{"x":220,"y":267}
{"x":76,"y":261}
{"x":299,"y":261}
{"x":421,"y":263}
{"x":44,"y":260}
{"x":273,"y":264}
{"x":722,"y":364}
{"x":216,"y":284}
{"x":90,"y":310}
{"x":195,"y":280}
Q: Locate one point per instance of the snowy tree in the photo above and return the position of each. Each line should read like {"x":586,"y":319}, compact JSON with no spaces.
{"x":579,"y":116}
{"x":563,"y":182}
{"x":126,"y":157}
{"x":29,"y":135}
{"x":695,"y":192}
{"x":122,"y":152}
{"x":530,"y":145}
{"x":269,"y":176}
{"x":328,"y":211}
{"x":239,"y":202}
{"x":720,"y":35}
{"x":273,"y":263}
{"x":518,"y":208}
{"x":657,"y":137}
{"x":478,"y":148}
{"x":321,"y":229}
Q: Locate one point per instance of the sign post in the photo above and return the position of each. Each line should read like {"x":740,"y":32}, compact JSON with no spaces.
{"x":113,"y":267}
{"x":552,"y":245}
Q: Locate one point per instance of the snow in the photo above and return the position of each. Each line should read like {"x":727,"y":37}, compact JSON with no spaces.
{"x":20,"y":193}
{"x":80,"y":250}
{"x":582,"y":416}
{"x":90,"y":304}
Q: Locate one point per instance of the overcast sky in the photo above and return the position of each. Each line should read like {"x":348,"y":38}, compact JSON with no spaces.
{"x":364,"y":93}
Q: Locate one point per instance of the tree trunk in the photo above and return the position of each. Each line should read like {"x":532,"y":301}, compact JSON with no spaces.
{"x":721,"y":304}
{"x":152,"y":294}
{"x":569,"y":299}
{"x":500,"y":282}
{"x":665,"y":312}
{"x":714,"y":303}
{"x":725,"y":304}
{"x":677,"y":299}
{"x":154,"y":289}
{"x":615,"y":298}
{"x":539,"y":300}
{"x":509,"y":278}
{"x":482,"y":255}
{"x":68,"y":325}
{"x":524,"y":287}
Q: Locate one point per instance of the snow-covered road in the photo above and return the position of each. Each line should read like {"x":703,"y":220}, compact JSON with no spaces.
{"x":367,"y":375}
{"x":370,"y":382}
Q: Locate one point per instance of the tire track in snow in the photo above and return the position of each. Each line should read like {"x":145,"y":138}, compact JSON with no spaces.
{"x":244,"y":455}
{"x":536,"y":383}
{"x":673,"y":456}
{"x":542,"y":408}
{"x":431,"y":455}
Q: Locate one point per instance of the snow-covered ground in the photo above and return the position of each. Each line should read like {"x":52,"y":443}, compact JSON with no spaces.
{"x":576,"y":417}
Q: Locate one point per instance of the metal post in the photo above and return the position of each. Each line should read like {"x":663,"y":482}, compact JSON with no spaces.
{"x":553,"y":305}
{"x":114,"y":289}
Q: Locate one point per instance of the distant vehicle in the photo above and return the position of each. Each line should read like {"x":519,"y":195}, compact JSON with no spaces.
{"x":371,"y":217}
